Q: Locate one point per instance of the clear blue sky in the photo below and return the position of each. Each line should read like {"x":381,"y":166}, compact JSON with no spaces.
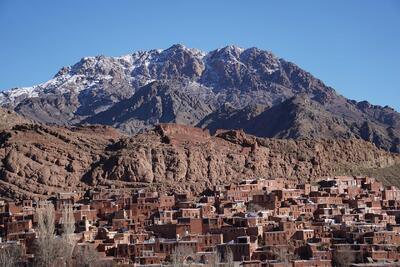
{"x":353,"y":46}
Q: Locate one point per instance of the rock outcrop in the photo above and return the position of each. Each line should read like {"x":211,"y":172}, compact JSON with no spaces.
{"x":8,"y":118}
{"x":39,"y":160}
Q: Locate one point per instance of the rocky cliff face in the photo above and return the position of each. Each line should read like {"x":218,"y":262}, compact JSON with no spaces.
{"x":183,"y":85}
{"x":38,"y":161}
{"x":159,"y":102}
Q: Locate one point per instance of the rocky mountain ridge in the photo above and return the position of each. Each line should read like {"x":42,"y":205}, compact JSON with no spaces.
{"x":187,"y":86}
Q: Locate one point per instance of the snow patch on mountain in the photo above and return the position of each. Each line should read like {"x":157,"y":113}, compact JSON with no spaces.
{"x":11,"y":96}
{"x":135,"y":70}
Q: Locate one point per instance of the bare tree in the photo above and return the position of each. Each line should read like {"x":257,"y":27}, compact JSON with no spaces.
{"x":68,"y":222}
{"x":85,"y":256}
{"x":284,"y":254}
{"x":216,"y":259}
{"x":49,"y":248}
{"x":180,"y":255}
{"x":343,"y":258}
{"x":68,"y":229}
{"x":229,"y":259}
{"x":224,"y":257}
{"x":11,"y":255}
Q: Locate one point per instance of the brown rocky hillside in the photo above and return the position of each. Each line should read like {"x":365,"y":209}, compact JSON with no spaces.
{"x":38,"y":161}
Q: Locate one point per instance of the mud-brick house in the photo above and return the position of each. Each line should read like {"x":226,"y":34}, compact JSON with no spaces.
{"x":276,"y":238}
{"x":304,"y":235}
{"x":391,"y":193}
{"x":382,"y":237}
{"x":242,"y":249}
{"x":18,"y":226}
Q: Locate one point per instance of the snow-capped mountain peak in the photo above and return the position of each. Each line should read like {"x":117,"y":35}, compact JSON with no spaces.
{"x":135,"y":70}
